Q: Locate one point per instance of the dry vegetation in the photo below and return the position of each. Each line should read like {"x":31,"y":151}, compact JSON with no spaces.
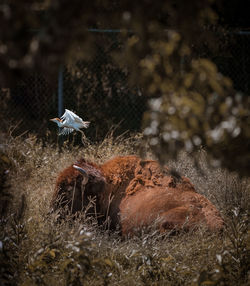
{"x":35,"y":250}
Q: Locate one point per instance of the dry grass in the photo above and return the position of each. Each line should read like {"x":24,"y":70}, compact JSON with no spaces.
{"x":38,"y":251}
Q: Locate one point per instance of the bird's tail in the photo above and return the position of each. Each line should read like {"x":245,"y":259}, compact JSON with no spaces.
{"x":86,"y":124}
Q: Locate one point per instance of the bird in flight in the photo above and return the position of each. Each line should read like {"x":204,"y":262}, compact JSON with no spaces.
{"x":70,"y":122}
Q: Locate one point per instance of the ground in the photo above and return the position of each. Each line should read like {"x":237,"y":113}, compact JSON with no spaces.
{"x":37,"y":250}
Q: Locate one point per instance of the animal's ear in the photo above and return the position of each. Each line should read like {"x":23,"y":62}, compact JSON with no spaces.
{"x":83,"y":172}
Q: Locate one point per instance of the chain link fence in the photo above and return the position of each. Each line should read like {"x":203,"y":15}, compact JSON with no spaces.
{"x":234,"y":62}
{"x":98,"y":91}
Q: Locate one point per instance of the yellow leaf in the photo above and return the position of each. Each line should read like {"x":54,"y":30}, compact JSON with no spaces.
{"x":167,"y":259}
{"x":208,"y":65}
{"x":188,"y":80}
{"x":108,"y":262}
{"x":5,"y":159}
{"x":223,"y":108}
{"x":204,"y":283}
{"x":52,"y":253}
{"x":215,"y":85}
{"x":133,"y":40}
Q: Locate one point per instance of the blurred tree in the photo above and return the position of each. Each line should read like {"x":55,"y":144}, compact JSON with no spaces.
{"x":99,"y":90}
{"x":168,"y":55}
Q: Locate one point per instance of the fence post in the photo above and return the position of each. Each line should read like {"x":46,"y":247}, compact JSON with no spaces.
{"x":60,"y":91}
{"x":60,"y":101}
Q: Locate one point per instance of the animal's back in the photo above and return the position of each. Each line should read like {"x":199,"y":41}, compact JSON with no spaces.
{"x":157,"y":196}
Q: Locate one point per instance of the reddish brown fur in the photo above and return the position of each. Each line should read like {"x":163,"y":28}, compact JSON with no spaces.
{"x":136,"y":193}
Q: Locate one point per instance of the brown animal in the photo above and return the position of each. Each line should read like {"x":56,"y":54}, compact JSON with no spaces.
{"x":134,"y":194}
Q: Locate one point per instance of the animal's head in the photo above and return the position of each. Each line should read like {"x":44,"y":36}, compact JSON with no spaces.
{"x":56,"y":120}
{"x":78,"y":185}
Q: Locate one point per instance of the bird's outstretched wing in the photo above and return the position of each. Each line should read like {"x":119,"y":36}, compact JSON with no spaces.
{"x":65,"y":131}
{"x":70,"y":117}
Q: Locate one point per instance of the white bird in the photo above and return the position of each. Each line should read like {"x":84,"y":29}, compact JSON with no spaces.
{"x":70,"y":122}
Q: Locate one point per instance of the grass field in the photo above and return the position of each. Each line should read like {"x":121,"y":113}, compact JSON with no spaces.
{"x":35,"y":250}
